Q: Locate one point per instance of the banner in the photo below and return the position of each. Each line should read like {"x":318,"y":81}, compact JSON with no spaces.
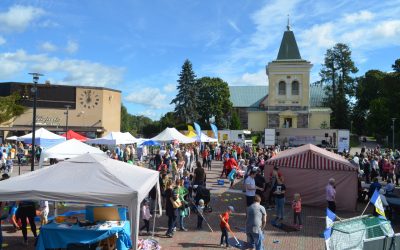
{"x":198,"y":131}
{"x":215,"y":130}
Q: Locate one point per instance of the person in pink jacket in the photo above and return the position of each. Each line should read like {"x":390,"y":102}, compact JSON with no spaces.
{"x":296,"y":206}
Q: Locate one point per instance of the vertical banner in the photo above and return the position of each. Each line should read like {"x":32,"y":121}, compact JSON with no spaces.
{"x":198,"y":131}
{"x":215,"y":130}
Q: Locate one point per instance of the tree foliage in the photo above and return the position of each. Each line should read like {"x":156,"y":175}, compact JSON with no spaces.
{"x":235,"y":121}
{"x":377,"y":96}
{"x":187,"y":98}
{"x":132,"y":123}
{"x":10,"y":107}
{"x":214,"y":101}
{"x":336,"y":74}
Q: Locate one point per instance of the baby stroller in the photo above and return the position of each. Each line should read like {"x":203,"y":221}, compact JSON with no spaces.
{"x":203,"y":193}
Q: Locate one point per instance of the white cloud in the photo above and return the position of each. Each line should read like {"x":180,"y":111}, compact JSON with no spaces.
{"x":48,"y":47}
{"x":72,"y":47}
{"x":19,"y":17}
{"x":147,"y":96}
{"x":258,"y":78}
{"x":71,"y":71}
{"x":361,"y":16}
{"x":234,"y":26}
{"x":150,"y":113}
{"x":2,"y":40}
{"x":171,"y":87}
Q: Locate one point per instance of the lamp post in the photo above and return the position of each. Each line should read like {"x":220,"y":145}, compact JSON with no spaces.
{"x":66,"y":113}
{"x":393,"y":119}
{"x":34,"y":91}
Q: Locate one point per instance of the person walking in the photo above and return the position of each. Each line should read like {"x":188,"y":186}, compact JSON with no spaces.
{"x":27,"y":212}
{"x":279,"y":191}
{"x":331,"y":195}
{"x":256,"y":219}
{"x":146,"y":215}
{"x":296,"y":206}
{"x":251,"y":187}
{"x":172,"y":204}
{"x":199,"y":176}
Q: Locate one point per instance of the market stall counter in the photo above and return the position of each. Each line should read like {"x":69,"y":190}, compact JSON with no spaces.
{"x":55,"y":235}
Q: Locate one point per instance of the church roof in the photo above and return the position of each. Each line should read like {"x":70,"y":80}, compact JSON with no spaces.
{"x":252,"y":96}
{"x":247,"y":96}
{"x":288,"y":49}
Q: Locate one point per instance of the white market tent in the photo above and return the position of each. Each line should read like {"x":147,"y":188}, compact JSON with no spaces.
{"x":12,"y":138}
{"x":95,"y":179}
{"x":43,"y":137}
{"x":114,"y":138}
{"x":171,"y":134}
{"x":67,"y":150}
{"x":206,"y":138}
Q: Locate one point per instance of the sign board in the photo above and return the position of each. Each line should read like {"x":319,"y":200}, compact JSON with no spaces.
{"x":269,"y":135}
{"x":343,"y":140}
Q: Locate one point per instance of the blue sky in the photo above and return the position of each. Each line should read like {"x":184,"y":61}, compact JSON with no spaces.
{"x":139,"y":47}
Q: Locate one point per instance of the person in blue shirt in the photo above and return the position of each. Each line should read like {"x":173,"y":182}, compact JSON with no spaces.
{"x":374,"y":186}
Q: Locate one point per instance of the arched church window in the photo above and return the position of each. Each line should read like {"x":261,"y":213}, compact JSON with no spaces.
{"x":295,"y":88}
{"x":282,"y":88}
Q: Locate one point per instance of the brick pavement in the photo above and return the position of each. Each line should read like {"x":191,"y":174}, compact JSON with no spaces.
{"x":307,"y":238}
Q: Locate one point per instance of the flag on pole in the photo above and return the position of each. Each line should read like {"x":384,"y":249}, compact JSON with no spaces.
{"x":190,"y":128}
{"x":376,"y":200}
{"x":215,"y":130}
{"x":198,"y":131}
{"x":327,"y":237}
{"x":330,"y":218}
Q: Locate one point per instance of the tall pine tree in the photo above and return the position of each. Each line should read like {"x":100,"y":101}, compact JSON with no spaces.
{"x":187,"y":98}
{"x":336,"y":74}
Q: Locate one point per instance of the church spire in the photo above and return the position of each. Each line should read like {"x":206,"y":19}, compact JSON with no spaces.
{"x":288,"y":49}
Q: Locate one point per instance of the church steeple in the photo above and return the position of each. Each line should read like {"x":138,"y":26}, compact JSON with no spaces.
{"x":288,"y":49}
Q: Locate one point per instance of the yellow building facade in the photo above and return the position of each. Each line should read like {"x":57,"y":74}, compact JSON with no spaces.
{"x":288,"y":101}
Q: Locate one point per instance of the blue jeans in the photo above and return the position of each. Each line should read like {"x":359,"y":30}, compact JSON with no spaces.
{"x":256,"y":240}
{"x":224,"y":234}
{"x":280,"y":206}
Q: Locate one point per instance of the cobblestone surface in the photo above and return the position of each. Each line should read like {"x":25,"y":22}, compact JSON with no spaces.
{"x":222,"y":196}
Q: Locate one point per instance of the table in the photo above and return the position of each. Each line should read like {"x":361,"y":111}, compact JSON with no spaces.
{"x":55,"y":235}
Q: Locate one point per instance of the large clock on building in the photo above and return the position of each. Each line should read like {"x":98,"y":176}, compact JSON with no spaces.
{"x":89,"y":99}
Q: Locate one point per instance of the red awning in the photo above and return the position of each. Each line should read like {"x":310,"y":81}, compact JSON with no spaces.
{"x":73,"y":135}
{"x":311,"y":157}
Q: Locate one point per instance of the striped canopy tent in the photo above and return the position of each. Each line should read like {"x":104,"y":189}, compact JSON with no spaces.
{"x":310,"y":156}
{"x":307,"y":169}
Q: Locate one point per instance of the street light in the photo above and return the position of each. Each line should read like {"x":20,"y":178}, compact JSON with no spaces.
{"x":393,"y":119}
{"x":66,"y":120}
{"x":34,"y":91}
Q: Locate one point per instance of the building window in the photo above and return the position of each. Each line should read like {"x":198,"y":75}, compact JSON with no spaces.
{"x":282,"y":88}
{"x":295,"y":88}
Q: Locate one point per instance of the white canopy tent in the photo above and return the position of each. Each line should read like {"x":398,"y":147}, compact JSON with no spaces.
{"x":12,"y":138}
{"x":206,"y":138}
{"x":114,"y":138}
{"x":94,"y":179}
{"x":67,"y":150}
{"x":43,"y":137}
{"x":171,"y":134}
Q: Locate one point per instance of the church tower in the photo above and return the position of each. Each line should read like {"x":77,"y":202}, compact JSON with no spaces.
{"x":289,"y":86}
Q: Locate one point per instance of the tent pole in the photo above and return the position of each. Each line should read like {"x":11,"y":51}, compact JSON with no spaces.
{"x":55,"y":209}
{"x":365,"y":208}
{"x":154,"y":216}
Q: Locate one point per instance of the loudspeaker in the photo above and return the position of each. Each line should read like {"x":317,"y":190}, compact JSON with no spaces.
{"x":277,"y":133}
{"x":326,"y":135}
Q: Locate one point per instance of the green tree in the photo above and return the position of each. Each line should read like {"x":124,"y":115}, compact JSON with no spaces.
{"x":336,"y":74}
{"x":187,"y":98}
{"x":235,"y":121}
{"x":132,"y":123}
{"x":396,"y":66}
{"x":213,"y":101}
{"x":10,"y":107}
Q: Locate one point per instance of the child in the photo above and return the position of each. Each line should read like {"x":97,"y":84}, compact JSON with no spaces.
{"x":296,"y":205}
{"x":232,"y":176}
{"x":44,"y":212}
{"x":224,"y":225}
{"x":200,"y":210}
{"x":146,"y":216}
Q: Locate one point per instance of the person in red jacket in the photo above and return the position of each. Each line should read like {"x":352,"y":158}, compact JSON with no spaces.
{"x":296,"y":206}
{"x":231,"y":164}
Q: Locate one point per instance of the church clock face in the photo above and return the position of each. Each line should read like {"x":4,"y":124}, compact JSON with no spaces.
{"x":89,"y":99}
